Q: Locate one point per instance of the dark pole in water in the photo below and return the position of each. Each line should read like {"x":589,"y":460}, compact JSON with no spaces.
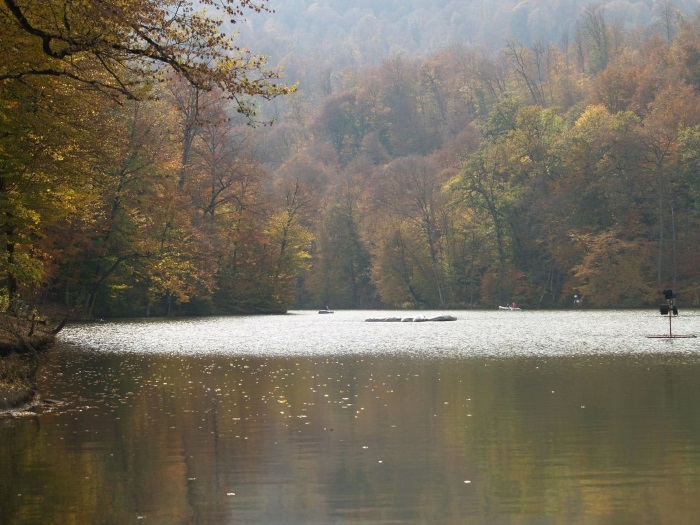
{"x":668,"y":309}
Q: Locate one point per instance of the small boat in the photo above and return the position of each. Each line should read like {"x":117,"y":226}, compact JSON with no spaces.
{"x":512,"y":308}
{"x":326,"y":311}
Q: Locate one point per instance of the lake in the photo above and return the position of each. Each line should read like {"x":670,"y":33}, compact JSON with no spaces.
{"x":499,"y":417}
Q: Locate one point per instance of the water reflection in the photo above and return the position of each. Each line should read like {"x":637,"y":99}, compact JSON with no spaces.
{"x":276,"y":420}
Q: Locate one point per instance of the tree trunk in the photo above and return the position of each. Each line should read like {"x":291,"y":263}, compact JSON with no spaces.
{"x":659,"y":265}
{"x":10,"y":279}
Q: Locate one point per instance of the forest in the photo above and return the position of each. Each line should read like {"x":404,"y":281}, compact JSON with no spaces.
{"x":151,"y":166}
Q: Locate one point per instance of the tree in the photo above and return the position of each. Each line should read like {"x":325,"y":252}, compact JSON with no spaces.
{"x":340,"y":272}
{"x":617,"y":86}
{"x":667,"y":16}
{"x":533,"y":161}
{"x":673,"y":109}
{"x":118,"y":47}
{"x":289,"y":243}
{"x":595,"y":31}
{"x":482,"y":187}
{"x":614,"y":270}
{"x":410,"y":192}
{"x":45,"y":141}
{"x":528,"y":65}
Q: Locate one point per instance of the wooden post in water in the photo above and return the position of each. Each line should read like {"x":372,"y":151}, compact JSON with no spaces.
{"x":668,"y":309}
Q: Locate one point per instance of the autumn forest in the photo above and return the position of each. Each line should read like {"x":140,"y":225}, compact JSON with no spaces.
{"x":151,"y":166}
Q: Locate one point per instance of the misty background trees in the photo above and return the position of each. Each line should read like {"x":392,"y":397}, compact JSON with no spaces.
{"x":451,"y":154}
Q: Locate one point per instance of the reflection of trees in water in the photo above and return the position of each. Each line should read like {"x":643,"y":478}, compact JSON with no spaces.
{"x":211,"y":439}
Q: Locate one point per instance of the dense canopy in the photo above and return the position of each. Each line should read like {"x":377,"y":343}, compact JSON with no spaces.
{"x":132,"y":184}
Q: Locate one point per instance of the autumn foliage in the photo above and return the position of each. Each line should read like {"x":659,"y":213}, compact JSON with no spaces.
{"x":131,"y":182}
{"x":528,"y":175}
{"x":125,"y":188}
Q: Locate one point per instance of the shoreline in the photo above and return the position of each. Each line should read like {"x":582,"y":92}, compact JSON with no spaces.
{"x":19,"y":361}
{"x":17,"y":401}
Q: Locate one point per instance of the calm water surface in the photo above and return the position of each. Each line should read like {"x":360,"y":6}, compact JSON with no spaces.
{"x":496,"y":418}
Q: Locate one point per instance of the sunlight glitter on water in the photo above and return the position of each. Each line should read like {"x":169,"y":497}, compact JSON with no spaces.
{"x":474,"y":333}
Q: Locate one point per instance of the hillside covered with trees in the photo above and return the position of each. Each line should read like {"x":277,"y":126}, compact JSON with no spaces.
{"x":529,"y":173}
{"x":131,"y":181}
{"x":318,"y":41}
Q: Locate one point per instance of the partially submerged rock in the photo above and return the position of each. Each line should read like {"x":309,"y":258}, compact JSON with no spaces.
{"x":419,"y":319}
{"x":13,"y":400}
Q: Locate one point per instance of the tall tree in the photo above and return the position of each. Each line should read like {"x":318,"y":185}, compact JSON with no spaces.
{"x":529,"y":66}
{"x":597,"y":37}
{"x":46,"y":153}
{"x":289,"y":242}
{"x":668,"y":17}
{"x":410,"y":192}
{"x":340,"y":274}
